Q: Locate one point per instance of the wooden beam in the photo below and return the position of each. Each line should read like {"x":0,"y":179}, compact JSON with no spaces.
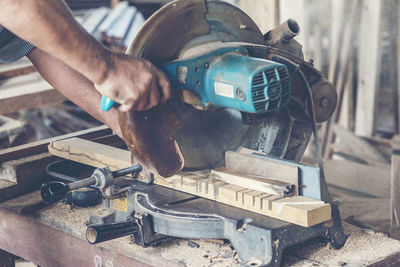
{"x":44,"y":245}
{"x":90,"y":153}
{"x":17,"y":71}
{"x":40,"y":146}
{"x":27,"y":96}
{"x":369,"y":58}
{"x":297,"y":209}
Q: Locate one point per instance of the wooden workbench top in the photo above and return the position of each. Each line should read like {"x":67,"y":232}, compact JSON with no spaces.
{"x":27,"y":218}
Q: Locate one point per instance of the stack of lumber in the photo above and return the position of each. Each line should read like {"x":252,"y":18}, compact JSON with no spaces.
{"x":115,"y":27}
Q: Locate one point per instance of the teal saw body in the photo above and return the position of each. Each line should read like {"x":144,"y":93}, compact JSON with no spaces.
{"x":230,"y":78}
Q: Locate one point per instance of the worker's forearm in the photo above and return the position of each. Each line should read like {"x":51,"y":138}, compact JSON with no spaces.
{"x":74,"y":86}
{"x":49,"y":25}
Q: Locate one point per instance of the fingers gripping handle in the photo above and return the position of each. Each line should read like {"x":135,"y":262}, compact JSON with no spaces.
{"x":106,"y":103}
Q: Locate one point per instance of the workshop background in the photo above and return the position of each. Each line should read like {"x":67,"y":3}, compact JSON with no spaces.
{"x":355,"y":44}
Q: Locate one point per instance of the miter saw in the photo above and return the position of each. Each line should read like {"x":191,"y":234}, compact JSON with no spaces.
{"x":233,"y":87}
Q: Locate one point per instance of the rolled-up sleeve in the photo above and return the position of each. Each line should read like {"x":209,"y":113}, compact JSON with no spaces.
{"x":12,"y":47}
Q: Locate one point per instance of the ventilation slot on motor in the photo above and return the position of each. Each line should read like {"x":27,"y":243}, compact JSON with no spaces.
{"x":277,"y":84}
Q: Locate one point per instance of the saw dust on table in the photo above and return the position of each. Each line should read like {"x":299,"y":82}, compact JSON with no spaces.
{"x":363,"y":247}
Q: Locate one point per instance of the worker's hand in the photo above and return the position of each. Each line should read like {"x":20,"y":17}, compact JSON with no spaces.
{"x":134,"y":83}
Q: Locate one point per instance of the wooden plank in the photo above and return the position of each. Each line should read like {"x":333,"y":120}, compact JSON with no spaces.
{"x":15,"y":71}
{"x":90,"y":153}
{"x":41,"y":145}
{"x":255,"y":182}
{"x":42,"y":244}
{"x":28,"y":96}
{"x":309,"y":212}
{"x":262,"y":166}
{"x":296,"y":209}
{"x":369,"y":61}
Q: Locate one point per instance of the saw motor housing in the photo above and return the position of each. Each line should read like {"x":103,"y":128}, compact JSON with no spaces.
{"x":230,"y":78}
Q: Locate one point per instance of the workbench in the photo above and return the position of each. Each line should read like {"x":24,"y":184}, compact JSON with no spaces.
{"x":55,"y":236}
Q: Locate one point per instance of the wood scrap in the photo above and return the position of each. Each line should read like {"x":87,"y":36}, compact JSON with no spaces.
{"x":255,"y":182}
{"x":297,"y":209}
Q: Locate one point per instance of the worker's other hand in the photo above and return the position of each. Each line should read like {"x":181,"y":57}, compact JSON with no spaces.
{"x":134,"y":83}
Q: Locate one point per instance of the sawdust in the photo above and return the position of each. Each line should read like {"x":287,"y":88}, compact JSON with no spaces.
{"x":362,"y":247}
{"x":207,"y":254}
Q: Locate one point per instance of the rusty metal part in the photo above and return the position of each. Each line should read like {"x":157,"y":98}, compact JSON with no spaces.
{"x":325,"y":100}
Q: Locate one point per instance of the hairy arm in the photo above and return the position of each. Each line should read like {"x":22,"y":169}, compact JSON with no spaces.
{"x":50,"y":26}
{"x":74,"y":86}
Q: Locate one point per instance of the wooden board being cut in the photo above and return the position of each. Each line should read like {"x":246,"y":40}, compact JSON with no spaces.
{"x":297,"y":209}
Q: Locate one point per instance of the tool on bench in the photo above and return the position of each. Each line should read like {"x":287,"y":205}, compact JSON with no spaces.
{"x":233,"y":87}
{"x":101,"y":178}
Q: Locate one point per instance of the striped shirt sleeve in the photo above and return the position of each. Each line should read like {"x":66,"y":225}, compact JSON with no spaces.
{"x":12,"y":47}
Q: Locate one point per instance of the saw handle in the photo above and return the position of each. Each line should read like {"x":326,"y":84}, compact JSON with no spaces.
{"x":106,"y":103}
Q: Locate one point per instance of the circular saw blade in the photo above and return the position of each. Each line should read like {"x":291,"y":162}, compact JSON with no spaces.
{"x":202,"y":137}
